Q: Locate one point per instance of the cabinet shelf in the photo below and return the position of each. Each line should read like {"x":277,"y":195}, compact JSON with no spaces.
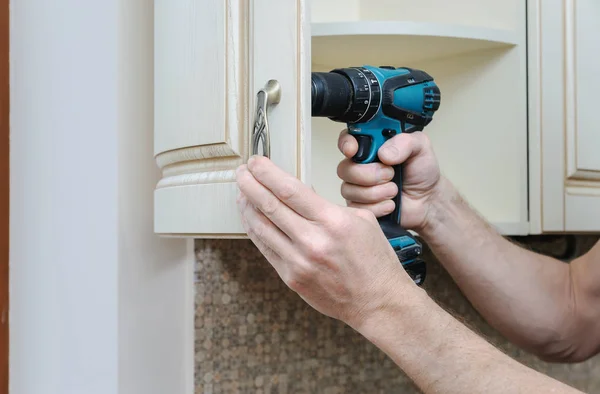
{"x":336,"y":44}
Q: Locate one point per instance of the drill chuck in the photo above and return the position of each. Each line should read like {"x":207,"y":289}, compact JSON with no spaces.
{"x":331,"y":94}
{"x":347,"y":95}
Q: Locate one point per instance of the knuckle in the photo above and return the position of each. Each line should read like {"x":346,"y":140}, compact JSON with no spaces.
{"x":338,"y":223}
{"x":386,"y":207}
{"x":342,"y":170}
{"x":269,"y":206}
{"x":422,"y":142}
{"x":256,"y":227}
{"x":386,"y":191}
{"x":424,"y":138}
{"x":289,"y":190}
{"x":259,"y":162}
{"x":253,"y":230}
{"x":300,"y":276}
{"x":346,"y":190}
{"x":318,"y":250}
{"x":366,"y":214}
{"x":372,"y":194}
{"x":341,"y":138}
{"x":382,"y":173}
{"x":303,"y":272}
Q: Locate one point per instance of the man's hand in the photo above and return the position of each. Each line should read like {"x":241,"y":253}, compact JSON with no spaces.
{"x":369,"y":186}
{"x":336,"y":258}
{"x":552,"y":312}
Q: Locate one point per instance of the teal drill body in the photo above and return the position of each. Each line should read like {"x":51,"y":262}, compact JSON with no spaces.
{"x":377,"y":103}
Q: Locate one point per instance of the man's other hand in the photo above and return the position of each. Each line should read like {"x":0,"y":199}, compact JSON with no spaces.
{"x":370,"y":186}
{"x":336,"y":258}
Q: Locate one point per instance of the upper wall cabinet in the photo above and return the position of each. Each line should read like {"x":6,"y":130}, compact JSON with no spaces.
{"x":225,"y":69}
{"x":564,"y":132}
{"x":476,"y":51}
{"x":212,"y":58}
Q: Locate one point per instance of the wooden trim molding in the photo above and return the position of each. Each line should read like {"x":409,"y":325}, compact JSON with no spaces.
{"x":4,"y":192}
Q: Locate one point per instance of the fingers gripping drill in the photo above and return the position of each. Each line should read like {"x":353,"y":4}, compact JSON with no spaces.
{"x":377,"y":103}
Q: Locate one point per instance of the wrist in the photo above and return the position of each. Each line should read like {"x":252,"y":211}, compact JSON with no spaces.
{"x":441,"y":204}
{"x":398,"y":313}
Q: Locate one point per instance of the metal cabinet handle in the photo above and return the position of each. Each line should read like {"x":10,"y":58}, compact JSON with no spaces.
{"x":266,"y":97}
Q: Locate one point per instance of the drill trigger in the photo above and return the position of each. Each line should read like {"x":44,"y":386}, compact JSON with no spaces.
{"x":364,"y":147}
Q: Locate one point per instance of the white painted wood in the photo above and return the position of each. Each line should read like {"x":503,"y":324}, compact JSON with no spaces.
{"x":280,"y":40}
{"x":582,"y":200}
{"x":480,"y":13}
{"x":552,"y":107}
{"x":99,"y":303}
{"x":583,"y":62}
{"x":479,"y":134}
{"x":534,"y":116}
{"x":393,"y":42}
{"x":412,"y":28}
{"x":582,"y":209}
{"x":334,"y":10}
{"x":561,"y":96}
{"x":480,"y":131}
{"x":504,"y":14}
{"x":239,"y":47}
{"x":197,"y":83}
{"x":201,"y":110}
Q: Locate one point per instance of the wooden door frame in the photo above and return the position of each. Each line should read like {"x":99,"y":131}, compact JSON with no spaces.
{"x":4,"y":193}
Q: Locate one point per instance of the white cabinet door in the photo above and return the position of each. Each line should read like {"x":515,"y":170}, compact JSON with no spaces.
{"x":583,"y":85}
{"x":212,"y":57}
{"x":563,"y":87}
{"x":582,"y":203}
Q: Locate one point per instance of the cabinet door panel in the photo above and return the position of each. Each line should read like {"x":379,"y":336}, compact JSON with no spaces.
{"x":280,"y":50}
{"x":192,"y":50}
{"x":585,"y":133}
{"x":582,"y":192}
{"x":209,"y":67}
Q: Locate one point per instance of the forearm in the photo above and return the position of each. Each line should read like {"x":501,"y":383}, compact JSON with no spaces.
{"x":526,"y":296}
{"x":441,"y":355}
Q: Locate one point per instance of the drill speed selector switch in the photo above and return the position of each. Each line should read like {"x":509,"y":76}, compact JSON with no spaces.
{"x":376,"y":104}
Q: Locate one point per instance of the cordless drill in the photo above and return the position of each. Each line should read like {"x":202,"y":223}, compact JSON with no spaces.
{"x":377,"y":103}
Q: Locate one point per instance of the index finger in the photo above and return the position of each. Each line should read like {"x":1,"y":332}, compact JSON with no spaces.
{"x":289,"y":189}
{"x":347,"y":144}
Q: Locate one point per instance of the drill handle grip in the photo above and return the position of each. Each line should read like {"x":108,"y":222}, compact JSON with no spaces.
{"x":368,"y":147}
{"x":395,"y":216}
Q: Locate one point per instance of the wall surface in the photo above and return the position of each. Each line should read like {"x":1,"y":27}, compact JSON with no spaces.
{"x":255,"y":335}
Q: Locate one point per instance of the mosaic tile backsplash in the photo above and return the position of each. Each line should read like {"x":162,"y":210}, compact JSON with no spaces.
{"x":254,"y":335}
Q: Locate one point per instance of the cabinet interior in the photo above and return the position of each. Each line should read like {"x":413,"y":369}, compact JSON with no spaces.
{"x":477,"y":56}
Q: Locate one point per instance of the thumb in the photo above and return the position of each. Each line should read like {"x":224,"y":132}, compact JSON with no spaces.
{"x":401,"y":147}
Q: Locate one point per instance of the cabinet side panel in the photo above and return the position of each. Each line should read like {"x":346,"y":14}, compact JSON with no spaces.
{"x":534,"y":116}
{"x":190,"y":65}
{"x":552,"y":114}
